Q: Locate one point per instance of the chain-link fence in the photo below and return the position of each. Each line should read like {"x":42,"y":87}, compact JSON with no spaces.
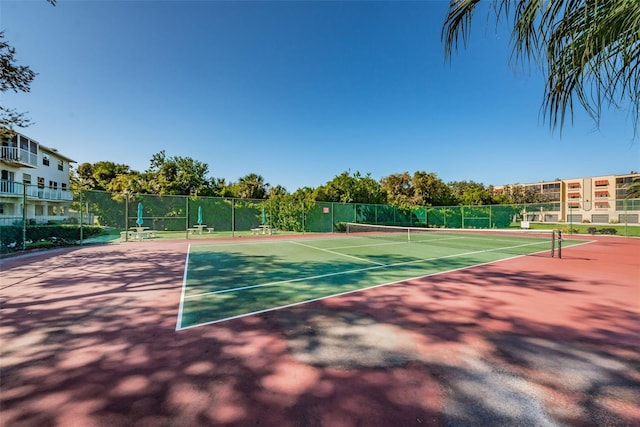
{"x":132,"y":216}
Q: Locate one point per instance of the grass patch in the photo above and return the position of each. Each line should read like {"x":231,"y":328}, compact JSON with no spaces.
{"x":620,"y":229}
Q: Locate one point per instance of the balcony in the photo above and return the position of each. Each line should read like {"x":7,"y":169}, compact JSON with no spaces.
{"x":15,"y":189}
{"x":18,"y":156}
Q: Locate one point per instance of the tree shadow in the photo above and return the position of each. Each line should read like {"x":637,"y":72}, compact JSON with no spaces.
{"x":89,"y":339}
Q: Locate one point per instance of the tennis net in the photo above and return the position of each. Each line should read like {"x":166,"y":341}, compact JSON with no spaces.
{"x":512,"y":241}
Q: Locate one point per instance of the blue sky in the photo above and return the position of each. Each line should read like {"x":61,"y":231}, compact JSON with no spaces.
{"x":297,"y":92}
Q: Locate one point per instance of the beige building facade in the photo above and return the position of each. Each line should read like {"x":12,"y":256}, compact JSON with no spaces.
{"x":596,"y":199}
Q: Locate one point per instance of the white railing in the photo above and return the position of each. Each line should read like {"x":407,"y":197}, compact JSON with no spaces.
{"x":12,"y":188}
{"x":38,"y":219}
{"x":19,"y":155}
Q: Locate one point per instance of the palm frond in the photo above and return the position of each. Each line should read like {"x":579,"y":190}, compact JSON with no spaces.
{"x":589,"y":50}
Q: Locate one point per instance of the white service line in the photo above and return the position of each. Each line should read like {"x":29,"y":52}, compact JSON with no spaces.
{"x":184,"y":290}
{"x":376,"y":267}
{"x":336,"y":253}
{"x":404,"y":242}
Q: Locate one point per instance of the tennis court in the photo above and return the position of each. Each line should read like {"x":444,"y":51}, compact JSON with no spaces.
{"x":229,"y":280}
{"x":88,"y":333}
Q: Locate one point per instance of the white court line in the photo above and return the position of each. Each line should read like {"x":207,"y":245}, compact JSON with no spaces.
{"x":184,"y":290}
{"x":404,"y":242}
{"x":336,"y":253}
{"x":357,"y":270}
{"x":266,"y":310}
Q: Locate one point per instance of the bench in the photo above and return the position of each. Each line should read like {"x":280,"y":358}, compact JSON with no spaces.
{"x":149,"y":234}
{"x":263,"y":229}
{"x":138,"y":235}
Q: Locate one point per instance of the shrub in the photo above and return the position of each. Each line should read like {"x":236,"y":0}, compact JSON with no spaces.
{"x":45,"y":235}
{"x":607,"y":230}
{"x":591,"y":230}
{"x":568,"y":230}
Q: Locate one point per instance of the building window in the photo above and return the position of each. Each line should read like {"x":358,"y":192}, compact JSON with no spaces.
{"x":40,"y":182}
{"x":551,"y":187}
{"x":602,"y":205}
{"x":574,"y":185}
{"x":24,"y":142}
{"x":60,"y":165}
{"x":1,"y":208}
{"x":602,"y":194}
{"x":45,"y":160}
{"x":63,"y":186}
{"x":574,"y":205}
{"x":602,"y":183}
{"x":574,"y":195}
{"x":26,"y":178}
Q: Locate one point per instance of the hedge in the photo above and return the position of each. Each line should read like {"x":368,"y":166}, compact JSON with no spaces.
{"x":44,"y":236}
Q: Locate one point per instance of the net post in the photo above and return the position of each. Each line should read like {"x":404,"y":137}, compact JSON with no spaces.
{"x":553,"y":242}
{"x":559,"y":243}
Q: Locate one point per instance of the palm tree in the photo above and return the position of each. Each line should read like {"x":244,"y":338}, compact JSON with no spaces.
{"x":252,"y":186}
{"x":588,"y":50}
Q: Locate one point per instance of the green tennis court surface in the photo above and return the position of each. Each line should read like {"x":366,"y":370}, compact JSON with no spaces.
{"x":228,"y":280}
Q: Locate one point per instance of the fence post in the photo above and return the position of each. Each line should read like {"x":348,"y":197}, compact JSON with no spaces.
{"x":333,"y":218}
{"x":24,"y":216}
{"x":233,"y":217}
{"x":126,"y":216}
{"x":81,"y":229}
{"x":186,"y":220}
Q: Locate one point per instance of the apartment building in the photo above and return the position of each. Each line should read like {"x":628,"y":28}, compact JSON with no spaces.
{"x":596,"y":199}
{"x":34,"y":179}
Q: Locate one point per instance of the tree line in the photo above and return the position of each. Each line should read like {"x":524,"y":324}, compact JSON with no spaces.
{"x":175,"y":175}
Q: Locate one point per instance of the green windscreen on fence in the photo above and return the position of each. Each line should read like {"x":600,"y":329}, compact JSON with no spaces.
{"x":139,"y":216}
{"x":180,"y":213}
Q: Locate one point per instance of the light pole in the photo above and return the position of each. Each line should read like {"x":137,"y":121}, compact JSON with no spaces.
{"x":570,"y":218}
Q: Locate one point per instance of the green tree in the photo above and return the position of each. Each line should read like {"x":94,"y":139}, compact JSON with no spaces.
{"x":129,"y":182}
{"x":420,"y":189}
{"x":470,"y":193}
{"x":16,"y":78}
{"x":220,"y":188}
{"x":252,"y":186}
{"x":347,"y":188}
{"x":277,"y":190}
{"x":521,"y":194}
{"x":587,"y":49}
{"x":305,"y":194}
{"x":429,"y":190}
{"x":399,"y":189}
{"x":98,"y":176}
{"x":177,"y":175}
